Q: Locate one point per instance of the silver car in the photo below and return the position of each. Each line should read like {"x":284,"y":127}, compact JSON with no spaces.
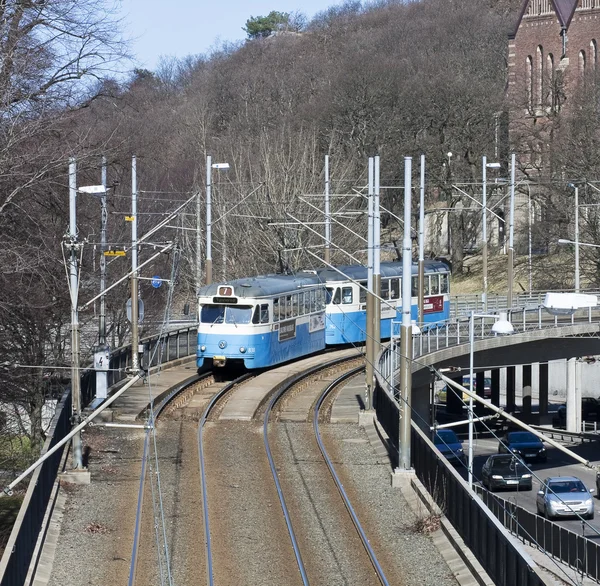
{"x":563,"y":496}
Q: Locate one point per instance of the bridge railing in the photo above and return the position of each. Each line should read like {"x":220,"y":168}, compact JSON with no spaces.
{"x":464,"y":303}
{"x":453,"y":332}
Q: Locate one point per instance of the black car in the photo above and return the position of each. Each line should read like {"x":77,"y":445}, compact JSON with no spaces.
{"x":505,"y":471}
{"x":523,"y":444}
{"x":590,"y":411}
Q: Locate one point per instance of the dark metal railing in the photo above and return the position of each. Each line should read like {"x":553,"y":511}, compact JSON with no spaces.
{"x":478,"y":527}
{"x":22,"y":541}
{"x":575,"y":550}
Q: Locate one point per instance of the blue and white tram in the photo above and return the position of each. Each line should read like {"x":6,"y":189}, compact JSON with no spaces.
{"x":347,"y":302}
{"x":261,"y":321}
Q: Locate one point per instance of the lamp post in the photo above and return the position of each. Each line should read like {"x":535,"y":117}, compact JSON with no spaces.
{"x":484,"y":250}
{"x":209,"y":167}
{"x":501,"y":327}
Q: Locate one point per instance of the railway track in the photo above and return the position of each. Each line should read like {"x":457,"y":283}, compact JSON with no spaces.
{"x":257,"y":501}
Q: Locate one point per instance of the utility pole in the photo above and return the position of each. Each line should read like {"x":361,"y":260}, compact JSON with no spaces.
{"x":421,"y":278}
{"x":370,"y":300}
{"x":208,"y":221}
{"x":327,"y":214}
{"x":135,"y":359}
{"x":406,"y":326}
{"x":74,"y":290}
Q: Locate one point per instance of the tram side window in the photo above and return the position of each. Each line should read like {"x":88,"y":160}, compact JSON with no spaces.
{"x":415,"y":287}
{"x":385,"y":289}
{"x":320,"y":299}
{"x":434,"y":282}
{"x":346,"y":295}
{"x":313,"y":300}
{"x":443,"y":283}
{"x":307,"y":302}
{"x":394,"y":288}
{"x":363,"y":292}
{"x":264,"y":313}
{"x":426,"y":288}
{"x":337,"y":296}
{"x":276,"y":309}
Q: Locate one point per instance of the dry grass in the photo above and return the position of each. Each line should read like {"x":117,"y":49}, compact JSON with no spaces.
{"x":548,"y":272}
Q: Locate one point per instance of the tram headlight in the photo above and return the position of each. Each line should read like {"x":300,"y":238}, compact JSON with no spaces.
{"x":202,"y":348}
{"x":243,"y":349}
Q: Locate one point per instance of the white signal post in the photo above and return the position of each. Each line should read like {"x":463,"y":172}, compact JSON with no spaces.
{"x":209,"y":167}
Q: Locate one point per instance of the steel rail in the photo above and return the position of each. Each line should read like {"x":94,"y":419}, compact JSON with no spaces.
{"x":286,"y":513}
{"x":337,"y":481}
{"x":205,"y":414}
{"x":279,"y":392}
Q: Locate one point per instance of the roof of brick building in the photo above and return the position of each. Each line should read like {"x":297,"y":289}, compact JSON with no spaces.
{"x":564,"y":11}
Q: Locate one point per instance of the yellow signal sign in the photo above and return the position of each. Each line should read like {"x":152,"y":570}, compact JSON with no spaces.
{"x":114,"y":253}
{"x":129,"y":218}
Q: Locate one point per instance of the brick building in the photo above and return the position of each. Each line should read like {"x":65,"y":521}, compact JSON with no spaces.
{"x":554,"y":46}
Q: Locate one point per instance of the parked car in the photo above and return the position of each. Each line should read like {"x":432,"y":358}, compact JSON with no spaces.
{"x":524,"y":444}
{"x":590,"y":411}
{"x":447,"y":442}
{"x":505,"y":471}
{"x":440,"y":396}
{"x":565,"y":496}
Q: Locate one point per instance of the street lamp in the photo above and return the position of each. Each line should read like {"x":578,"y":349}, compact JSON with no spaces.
{"x":511,"y":231}
{"x":501,"y":327}
{"x":484,"y":252}
{"x":209,"y":167}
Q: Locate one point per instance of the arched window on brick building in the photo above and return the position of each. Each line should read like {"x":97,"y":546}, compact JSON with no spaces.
{"x":550,"y":84}
{"x":581,"y":64}
{"x":593,"y":54}
{"x":539,"y":80}
{"x":529,"y":82}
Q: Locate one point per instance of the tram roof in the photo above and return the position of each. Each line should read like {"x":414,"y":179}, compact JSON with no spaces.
{"x":263,"y":286}
{"x":388,"y":269}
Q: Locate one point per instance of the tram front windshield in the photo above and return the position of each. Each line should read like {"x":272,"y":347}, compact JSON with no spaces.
{"x":228,"y":314}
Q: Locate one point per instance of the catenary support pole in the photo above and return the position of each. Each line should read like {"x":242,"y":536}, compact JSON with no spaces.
{"x":135,"y":362}
{"x":484,"y":247}
{"x":208,"y":221}
{"x":421,"y":279}
{"x":511,"y":232}
{"x":376,"y":265}
{"x":370,"y":299}
{"x":102,"y":351}
{"x":327,"y":213}
{"x":406,"y":329}
{"x":74,"y":290}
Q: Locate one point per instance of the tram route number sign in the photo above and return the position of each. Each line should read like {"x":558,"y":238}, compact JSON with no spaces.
{"x":287,"y":330}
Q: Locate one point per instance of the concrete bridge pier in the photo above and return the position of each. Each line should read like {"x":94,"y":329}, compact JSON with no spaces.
{"x":573,"y":395}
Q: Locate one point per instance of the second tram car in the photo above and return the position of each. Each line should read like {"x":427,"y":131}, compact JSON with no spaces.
{"x":347,"y":299}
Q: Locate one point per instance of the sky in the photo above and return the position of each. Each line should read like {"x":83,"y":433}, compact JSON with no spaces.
{"x":189,"y":27}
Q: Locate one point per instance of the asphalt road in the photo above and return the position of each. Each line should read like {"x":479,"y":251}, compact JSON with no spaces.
{"x":558,"y":464}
